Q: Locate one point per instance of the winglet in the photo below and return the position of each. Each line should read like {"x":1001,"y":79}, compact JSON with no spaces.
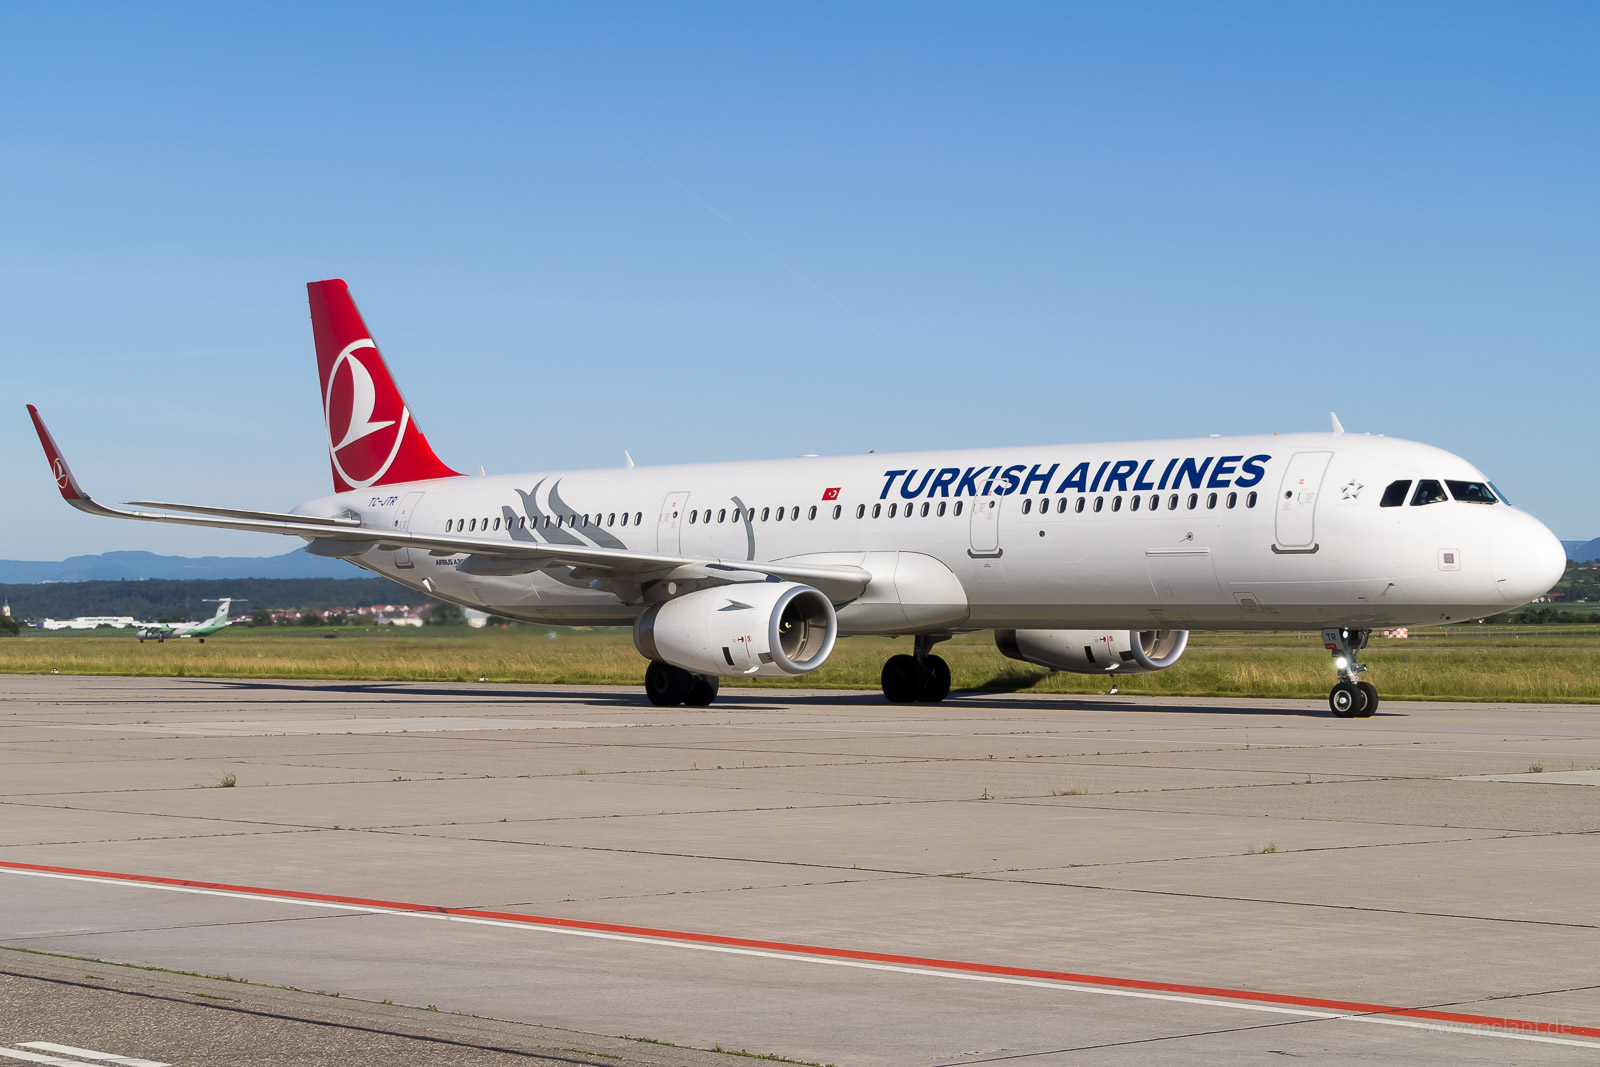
{"x":70,"y":490}
{"x":1338,"y":427}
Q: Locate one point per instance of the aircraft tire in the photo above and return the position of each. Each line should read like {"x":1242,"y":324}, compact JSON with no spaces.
{"x":937,"y":684}
{"x":901,"y":679}
{"x":1370,"y":708}
{"x":666,"y":685}
{"x":1347,"y":700}
{"x":702,"y":690}
{"x":202,"y":640}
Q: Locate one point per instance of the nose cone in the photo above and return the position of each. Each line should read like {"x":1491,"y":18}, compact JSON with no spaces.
{"x":1528,"y":558}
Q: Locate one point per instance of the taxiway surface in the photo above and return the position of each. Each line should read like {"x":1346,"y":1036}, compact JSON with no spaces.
{"x":819,"y":876}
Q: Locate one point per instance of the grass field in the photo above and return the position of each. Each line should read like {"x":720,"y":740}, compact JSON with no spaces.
{"x":1542,"y":664}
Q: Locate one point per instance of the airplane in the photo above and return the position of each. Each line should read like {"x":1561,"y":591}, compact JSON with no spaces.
{"x":1090,"y":558}
{"x":203,"y":629}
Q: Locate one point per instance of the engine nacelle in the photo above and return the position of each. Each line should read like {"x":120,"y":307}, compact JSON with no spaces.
{"x":748,"y":629}
{"x":1095,"y":651}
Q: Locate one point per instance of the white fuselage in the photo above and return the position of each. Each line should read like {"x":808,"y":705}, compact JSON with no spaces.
{"x":1262,"y":532}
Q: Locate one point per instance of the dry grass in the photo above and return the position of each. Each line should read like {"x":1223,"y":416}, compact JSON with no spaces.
{"x":525,"y":654}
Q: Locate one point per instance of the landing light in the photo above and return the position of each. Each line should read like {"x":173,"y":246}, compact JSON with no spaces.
{"x":1341,"y":663}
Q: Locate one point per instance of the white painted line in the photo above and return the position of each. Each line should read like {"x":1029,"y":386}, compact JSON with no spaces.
{"x":734,"y":950}
{"x":1536,"y":778}
{"x":38,"y":1057}
{"x":91,"y":1054}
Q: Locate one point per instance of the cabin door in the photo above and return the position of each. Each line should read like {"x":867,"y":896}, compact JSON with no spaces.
{"x":1297,"y":501}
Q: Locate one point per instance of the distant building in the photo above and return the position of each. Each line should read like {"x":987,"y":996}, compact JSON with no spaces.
{"x":89,"y":622}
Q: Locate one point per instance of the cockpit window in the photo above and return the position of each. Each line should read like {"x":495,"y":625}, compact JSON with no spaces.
{"x":1500,"y":495}
{"x":1428,"y":492}
{"x":1395,"y":495}
{"x":1472,"y":492}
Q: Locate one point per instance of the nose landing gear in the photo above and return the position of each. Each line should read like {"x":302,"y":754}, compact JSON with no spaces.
{"x":1351,"y":698}
{"x":922,"y":678}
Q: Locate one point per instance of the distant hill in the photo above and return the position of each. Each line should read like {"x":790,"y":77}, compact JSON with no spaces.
{"x":133,"y":566}
{"x":1583,"y":551}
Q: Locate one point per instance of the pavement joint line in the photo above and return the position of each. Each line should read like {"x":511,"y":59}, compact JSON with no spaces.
{"x":1423,"y":1018}
{"x":436,"y":1039}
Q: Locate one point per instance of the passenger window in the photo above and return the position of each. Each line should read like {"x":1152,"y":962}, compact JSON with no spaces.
{"x":448,"y":524}
{"x":838,"y":509}
{"x":1079,"y":506}
{"x":1061,"y":506}
{"x":1250,"y":499}
{"x":1133,"y":503}
{"x":925,"y":510}
{"x":1395,"y":495}
{"x":777,"y":515}
{"x":1428,"y":492}
{"x":722,"y":514}
{"x":693,"y":515}
{"x":958,"y":507}
{"x":1194,"y":501}
{"x":1099,"y":502}
{"x":1471,"y":492}
{"x":812,"y":513}
{"x":1027,"y":506}
{"x":472,"y":527}
{"x":1233,"y":498}
{"x":765,"y":513}
{"x":1172,"y":502}
{"x":638,"y":517}
{"x":877,"y":509}
{"x":1116,"y":502}
{"x":861,"y":511}
{"x":1044,"y":506}
{"x":1211,"y":500}
{"x":794,"y":513}
{"x":941,"y":509}
{"x":910,"y":510}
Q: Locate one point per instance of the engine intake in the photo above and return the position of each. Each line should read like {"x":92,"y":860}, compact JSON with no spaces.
{"x":1095,"y":651}
{"x":750,"y":629}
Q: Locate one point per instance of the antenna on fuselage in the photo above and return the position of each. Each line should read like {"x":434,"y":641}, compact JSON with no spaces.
{"x":1338,"y":427}
{"x":628,"y":456}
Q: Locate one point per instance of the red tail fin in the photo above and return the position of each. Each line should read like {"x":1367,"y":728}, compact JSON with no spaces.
{"x":372,"y":438}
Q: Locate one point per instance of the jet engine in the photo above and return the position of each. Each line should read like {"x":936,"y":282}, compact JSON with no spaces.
{"x":1095,"y":651}
{"x":749,"y":629}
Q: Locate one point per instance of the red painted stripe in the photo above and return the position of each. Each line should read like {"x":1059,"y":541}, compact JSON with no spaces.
{"x":1530,"y":1026}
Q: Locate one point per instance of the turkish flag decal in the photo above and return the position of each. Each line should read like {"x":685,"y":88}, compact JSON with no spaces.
{"x":830,"y":494}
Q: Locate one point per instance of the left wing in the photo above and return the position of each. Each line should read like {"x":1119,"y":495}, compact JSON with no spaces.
{"x":345,"y":536}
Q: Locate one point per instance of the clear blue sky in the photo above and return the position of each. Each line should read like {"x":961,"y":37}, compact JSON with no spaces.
{"x":706,"y":232}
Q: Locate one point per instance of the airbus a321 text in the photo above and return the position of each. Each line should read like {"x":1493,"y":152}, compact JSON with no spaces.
{"x":1095,"y":558}
{"x":203,"y":629}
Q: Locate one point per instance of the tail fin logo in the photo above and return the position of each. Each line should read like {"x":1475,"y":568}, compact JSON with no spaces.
{"x":62,"y":477}
{"x":349,"y":405}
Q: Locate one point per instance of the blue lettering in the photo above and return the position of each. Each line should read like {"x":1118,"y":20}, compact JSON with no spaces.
{"x":1223,"y":471}
{"x":1167,"y":473}
{"x":988,"y":485}
{"x":1011,"y":480}
{"x":889,"y":484}
{"x":1042,"y":479}
{"x":905,"y":486}
{"x":1196,"y":475}
{"x":942,"y":480}
{"x":1254,"y":471}
{"x":1119,"y":474}
{"x":968,"y":485}
{"x":1095,"y":485}
{"x":1141,"y":483}
{"x":1077,"y":478}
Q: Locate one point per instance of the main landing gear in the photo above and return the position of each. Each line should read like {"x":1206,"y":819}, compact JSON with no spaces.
{"x":1350,"y":699}
{"x":922,"y":678}
{"x":668,"y":686}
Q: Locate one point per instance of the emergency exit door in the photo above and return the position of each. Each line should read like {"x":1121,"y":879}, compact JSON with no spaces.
{"x":1297,"y":501}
